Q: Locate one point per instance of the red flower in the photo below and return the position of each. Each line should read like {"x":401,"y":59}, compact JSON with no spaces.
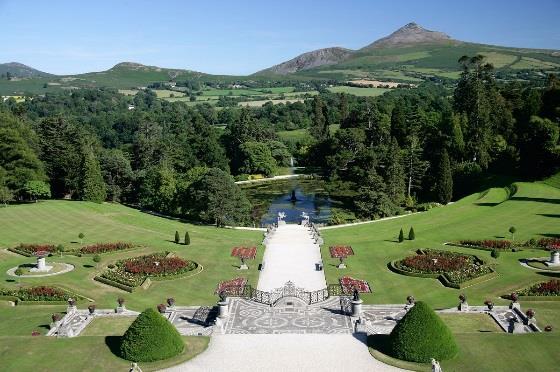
{"x":106,"y":247}
{"x":246,"y":253}
{"x":232,"y":287}
{"x":348,"y":285}
{"x":341,"y":251}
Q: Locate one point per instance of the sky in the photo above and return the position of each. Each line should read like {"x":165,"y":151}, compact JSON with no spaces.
{"x":242,"y":37}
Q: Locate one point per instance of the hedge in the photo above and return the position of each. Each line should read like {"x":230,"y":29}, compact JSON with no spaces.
{"x":20,"y":251}
{"x":422,"y":335}
{"x":114,"y":284}
{"x":151,"y":337}
{"x":443,"y":277}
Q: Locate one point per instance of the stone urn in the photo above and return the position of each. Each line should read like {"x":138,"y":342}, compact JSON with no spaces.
{"x":514,"y":304}
{"x":121,"y":308}
{"x":91,"y":309}
{"x":463,"y":305}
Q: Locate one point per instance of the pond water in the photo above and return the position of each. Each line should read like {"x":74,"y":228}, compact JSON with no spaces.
{"x":291,"y":197}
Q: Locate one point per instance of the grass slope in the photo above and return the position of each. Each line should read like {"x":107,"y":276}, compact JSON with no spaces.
{"x":60,"y":222}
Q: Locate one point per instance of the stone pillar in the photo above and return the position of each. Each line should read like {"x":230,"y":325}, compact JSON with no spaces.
{"x":120,"y":309}
{"x":41,"y":266}
{"x":554,"y":258}
{"x":223,"y":309}
{"x":357,"y":308}
{"x":464,"y":306}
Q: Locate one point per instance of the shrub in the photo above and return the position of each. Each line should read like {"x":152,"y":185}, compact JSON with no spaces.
{"x":411,"y":235}
{"x":149,"y":338}
{"x":105,"y":247}
{"x":19,"y":271}
{"x":176,"y":237}
{"x":97,"y":258}
{"x":422,"y":335}
{"x":401,"y":236}
{"x":187,"y":238}
{"x":495,"y":253}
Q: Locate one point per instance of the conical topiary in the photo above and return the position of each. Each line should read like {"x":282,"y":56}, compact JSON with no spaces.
{"x":149,"y":338}
{"x":187,"y":238}
{"x":411,"y":234}
{"x":176,"y":237}
{"x":401,"y":236}
{"x":422,"y":335}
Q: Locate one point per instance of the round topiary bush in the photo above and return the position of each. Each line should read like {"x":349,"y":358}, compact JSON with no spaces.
{"x":149,"y":338}
{"x":422,"y":335}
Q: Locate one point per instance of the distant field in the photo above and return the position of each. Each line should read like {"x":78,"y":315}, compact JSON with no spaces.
{"x":275,"y":102}
{"x":364,"y":92}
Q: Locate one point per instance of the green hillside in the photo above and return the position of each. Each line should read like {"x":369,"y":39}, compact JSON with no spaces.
{"x":410,"y":63}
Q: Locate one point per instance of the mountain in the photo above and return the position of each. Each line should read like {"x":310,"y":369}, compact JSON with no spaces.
{"x":409,"y":34}
{"x":19,"y":70}
{"x":414,"y":54}
{"x":316,"y":58}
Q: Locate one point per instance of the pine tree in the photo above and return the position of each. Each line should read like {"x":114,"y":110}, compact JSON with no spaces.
{"x":319,"y":128}
{"x":401,"y":236}
{"x":394,"y":174}
{"x":187,"y":238}
{"x":411,"y":235}
{"x":93,"y":186}
{"x":414,"y":165}
{"x":444,"y":186}
{"x":176,"y":237}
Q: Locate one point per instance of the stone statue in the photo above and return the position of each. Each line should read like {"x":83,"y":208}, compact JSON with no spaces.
{"x":222,"y":296}
{"x":435,"y":366}
{"x":356,"y":295}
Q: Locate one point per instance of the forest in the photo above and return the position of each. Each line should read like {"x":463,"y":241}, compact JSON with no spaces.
{"x":434,"y":143}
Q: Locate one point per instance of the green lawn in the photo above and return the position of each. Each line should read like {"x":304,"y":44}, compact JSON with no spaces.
{"x":60,"y":222}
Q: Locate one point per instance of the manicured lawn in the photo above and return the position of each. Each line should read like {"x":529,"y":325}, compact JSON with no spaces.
{"x":469,"y":323}
{"x":112,"y":326}
{"x":60,"y":222}
{"x":84,"y":353}
{"x":531,"y":210}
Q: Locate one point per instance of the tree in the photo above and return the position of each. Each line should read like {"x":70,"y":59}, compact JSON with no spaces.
{"x":19,"y":162}
{"x":394,"y":174}
{"x":159,"y":189}
{"x":215,"y":198}
{"x":60,"y":248}
{"x":538,"y":146}
{"x":319,"y":128}
{"x":415,"y":167}
{"x":257,"y":159}
{"x":495,"y":253}
{"x":401,"y":236}
{"x":177,"y":239}
{"x":444,"y":180}
{"x":149,"y":338}
{"x":92,"y":185}
{"x":422,"y":335}
{"x":81,"y":236}
{"x":96,"y":259}
{"x":37,"y":190}
{"x":372,"y":201}
{"x":117,"y":174}
{"x":512,"y":230}
{"x":411,"y":235}
{"x":6,"y":195}
{"x":187,"y":238}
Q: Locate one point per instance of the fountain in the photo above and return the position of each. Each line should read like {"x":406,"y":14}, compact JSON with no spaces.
{"x":293,"y":198}
{"x":41,"y":262}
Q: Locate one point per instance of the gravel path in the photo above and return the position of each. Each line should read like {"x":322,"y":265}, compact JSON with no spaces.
{"x":291,"y":255}
{"x":284,"y":352}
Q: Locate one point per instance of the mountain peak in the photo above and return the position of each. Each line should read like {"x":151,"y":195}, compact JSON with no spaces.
{"x":315,"y":58}
{"x":409,"y":34}
{"x":20,"y":70}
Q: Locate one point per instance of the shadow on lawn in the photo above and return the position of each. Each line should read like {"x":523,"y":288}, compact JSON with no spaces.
{"x":550,"y":274}
{"x":552,"y":215}
{"x":114,"y":344}
{"x":550,"y":235}
{"x":539,"y":200}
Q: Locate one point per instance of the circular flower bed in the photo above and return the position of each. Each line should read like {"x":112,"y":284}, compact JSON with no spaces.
{"x":456,"y":267}
{"x":550,"y":288}
{"x":132,"y":272}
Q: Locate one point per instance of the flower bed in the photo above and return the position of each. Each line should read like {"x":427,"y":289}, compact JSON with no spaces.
{"x":348,"y":285}
{"x":246,"y":253}
{"x":550,"y":288}
{"x":487,"y":244}
{"x":31,"y":249}
{"x":341,"y":251}
{"x":132,"y":272}
{"x":233,"y":287}
{"x":456,"y":268}
{"x":38,"y":294}
{"x":105,"y":247}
